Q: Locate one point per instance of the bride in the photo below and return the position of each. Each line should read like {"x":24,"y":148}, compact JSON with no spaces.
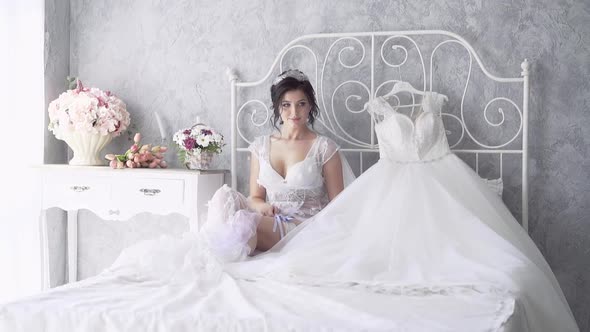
{"x":298,"y":170}
{"x":417,"y":243}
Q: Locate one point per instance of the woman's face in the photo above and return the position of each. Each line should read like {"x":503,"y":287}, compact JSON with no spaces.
{"x":295,"y":108}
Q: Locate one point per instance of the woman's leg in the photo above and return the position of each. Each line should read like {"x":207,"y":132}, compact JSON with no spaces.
{"x":266,"y":238}
{"x":270,"y":232}
{"x":235,"y":231}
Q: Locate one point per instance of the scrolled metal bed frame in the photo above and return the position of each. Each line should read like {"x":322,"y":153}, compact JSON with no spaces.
{"x":373,"y":51}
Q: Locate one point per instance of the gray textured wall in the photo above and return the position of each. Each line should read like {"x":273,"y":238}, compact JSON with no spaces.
{"x":57,"y":68}
{"x":170,"y":57}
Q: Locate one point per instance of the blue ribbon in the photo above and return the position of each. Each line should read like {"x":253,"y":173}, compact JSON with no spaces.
{"x":279,"y":218}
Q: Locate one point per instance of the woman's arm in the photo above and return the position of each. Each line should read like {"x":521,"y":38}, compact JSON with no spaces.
{"x":332,"y":170}
{"x":257,"y":192}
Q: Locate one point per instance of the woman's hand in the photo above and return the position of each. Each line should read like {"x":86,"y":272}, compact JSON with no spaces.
{"x":266,"y":209}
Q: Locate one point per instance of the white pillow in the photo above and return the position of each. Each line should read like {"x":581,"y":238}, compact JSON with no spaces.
{"x":496,"y":185}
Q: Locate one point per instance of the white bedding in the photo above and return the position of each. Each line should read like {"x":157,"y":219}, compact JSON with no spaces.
{"x":115,"y":304}
{"x":125,"y":300}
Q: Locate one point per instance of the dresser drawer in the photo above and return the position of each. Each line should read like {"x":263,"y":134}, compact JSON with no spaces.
{"x":71,"y":190}
{"x":149,"y":194}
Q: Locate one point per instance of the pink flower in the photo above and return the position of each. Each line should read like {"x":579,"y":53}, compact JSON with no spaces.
{"x":137,"y":138}
{"x":88,"y":110}
{"x":197,"y":138}
{"x":79,"y":86}
{"x":189,"y":143}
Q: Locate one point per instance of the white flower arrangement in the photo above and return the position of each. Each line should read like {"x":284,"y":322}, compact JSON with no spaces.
{"x":197,"y":139}
{"x":88,"y":110}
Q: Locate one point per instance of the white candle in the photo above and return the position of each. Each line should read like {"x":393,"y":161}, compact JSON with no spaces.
{"x":198,"y":119}
{"x":160,"y":126}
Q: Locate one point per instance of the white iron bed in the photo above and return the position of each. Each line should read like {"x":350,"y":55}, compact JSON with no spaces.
{"x":122,"y":300}
{"x":349,"y":69}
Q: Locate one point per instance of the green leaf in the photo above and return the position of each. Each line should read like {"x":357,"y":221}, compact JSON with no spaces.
{"x":71,"y":82}
{"x":182,"y":155}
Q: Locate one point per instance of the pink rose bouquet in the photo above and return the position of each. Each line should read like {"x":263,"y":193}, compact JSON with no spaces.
{"x":88,"y":110}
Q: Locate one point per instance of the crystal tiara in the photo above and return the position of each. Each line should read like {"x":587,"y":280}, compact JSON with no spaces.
{"x":295,"y":73}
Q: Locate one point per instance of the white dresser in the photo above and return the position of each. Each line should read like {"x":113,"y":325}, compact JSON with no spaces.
{"x":118,"y":194}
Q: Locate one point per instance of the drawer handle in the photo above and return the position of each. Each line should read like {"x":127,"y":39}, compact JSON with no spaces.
{"x":111,"y":212}
{"x":150,"y":192}
{"x":79,"y":189}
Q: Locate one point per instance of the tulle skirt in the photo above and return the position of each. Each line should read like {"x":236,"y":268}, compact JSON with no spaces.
{"x":419,"y":228}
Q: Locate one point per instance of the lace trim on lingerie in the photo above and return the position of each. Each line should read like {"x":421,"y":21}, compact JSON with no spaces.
{"x":300,"y":203}
{"x":426,"y":161}
{"x":291,"y":195}
{"x":298,"y":209}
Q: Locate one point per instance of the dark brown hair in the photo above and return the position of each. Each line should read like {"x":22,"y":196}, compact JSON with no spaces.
{"x":278,"y":90}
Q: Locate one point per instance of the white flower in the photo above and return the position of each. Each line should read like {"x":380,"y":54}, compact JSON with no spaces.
{"x":205,"y":138}
{"x":203,"y":141}
{"x":217,"y":138}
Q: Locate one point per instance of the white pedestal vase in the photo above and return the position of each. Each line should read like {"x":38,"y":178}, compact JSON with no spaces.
{"x":86,"y":147}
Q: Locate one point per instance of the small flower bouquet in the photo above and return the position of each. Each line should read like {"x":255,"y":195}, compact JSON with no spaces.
{"x":197,"y":145}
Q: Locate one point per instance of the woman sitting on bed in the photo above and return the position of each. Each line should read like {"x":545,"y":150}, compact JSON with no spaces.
{"x":294,"y":173}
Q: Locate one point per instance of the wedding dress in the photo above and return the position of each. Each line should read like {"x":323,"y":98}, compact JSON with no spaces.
{"x":419,"y":221}
{"x":417,"y":243}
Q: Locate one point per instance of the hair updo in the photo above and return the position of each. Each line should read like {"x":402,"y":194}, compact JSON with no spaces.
{"x":290,"y":80}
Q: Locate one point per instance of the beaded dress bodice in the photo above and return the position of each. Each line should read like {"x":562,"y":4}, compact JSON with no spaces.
{"x":403,"y":139}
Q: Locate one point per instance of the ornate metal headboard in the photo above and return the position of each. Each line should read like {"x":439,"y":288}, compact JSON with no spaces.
{"x":349,"y":69}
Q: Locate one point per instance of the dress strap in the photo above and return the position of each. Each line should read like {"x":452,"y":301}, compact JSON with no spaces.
{"x":265,"y":151}
{"x":325,"y":149}
{"x":433,"y":102}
